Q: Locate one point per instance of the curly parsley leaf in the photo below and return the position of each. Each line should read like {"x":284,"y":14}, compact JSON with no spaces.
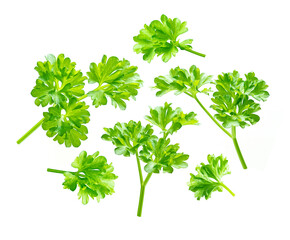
{"x":159,"y":154}
{"x":255,"y":87}
{"x":116,"y":80}
{"x":58,"y":81}
{"x":208,"y":177}
{"x":162,"y":116}
{"x":95,"y":177}
{"x":161,"y":38}
{"x":128,"y":137}
{"x":182,"y":81}
{"x":65,"y":122}
{"x":233,"y":99}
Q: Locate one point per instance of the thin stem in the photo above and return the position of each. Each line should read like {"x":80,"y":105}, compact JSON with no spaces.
{"x":147,"y":179}
{"x":56,"y":171}
{"x":20,"y":140}
{"x":139,"y":168}
{"x":229,"y":190}
{"x":82,"y":97}
{"x":212,"y":118}
{"x":232,"y":136}
{"x":238,"y":148}
{"x":141,"y":199}
{"x":194,"y":52}
{"x":165,"y":134}
{"x":142,"y":192}
{"x":77,"y":174}
{"x":96,"y":89}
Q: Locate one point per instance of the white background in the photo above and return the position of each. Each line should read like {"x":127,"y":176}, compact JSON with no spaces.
{"x":242,"y":35}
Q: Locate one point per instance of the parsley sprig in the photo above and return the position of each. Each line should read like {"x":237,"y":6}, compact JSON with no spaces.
{"x":234,"y":100}
{"x":161,"y":38}
{"x":94,"y":177}
{"x":208,"y":177}
{"x":157,"y":153}
{"x":60,"y":86}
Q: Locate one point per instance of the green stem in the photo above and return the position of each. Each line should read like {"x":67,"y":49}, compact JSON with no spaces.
{"x":238,"y":148}
{"x":78,"y":174}
{"x":229,"y":190}
{"x":212,"y":118}
{"x":82,"y":97}
{"x":232,"y":136}
{"x":96,"y":89}
{"x":20,"y":140}
{"x":194,"y":52}
{"x":139,"y":168}
{"x":56,"y":171}
{"x":142,"y":192}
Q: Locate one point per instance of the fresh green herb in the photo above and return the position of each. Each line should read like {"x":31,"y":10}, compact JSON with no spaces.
{"x":161,"y":38}
{"x":68,"y":128}
{"x":60,"y":85}
{"x":155,"y":152}
{"x":116,"y":80}
{"x":94,"y":177}
{"x":208,"y":177}
{"x":234,"y":97}
{"x":58,"y":81}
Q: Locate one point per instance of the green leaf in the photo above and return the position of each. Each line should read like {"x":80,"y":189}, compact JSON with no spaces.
{"x":127,"y":137}
{"x":180,"y":81}
{"x":116,"y":80}
{"x":58,"y":81}
{"x":208,"y":177}
{"x":65,"y":122}
{"x":70,"y":181}
{"x":159,"y":155}
{"x":95,"y":177}
{"x":162,"y":116}
{"x":234,"y":99}
{"x":255,"y":88}
{"x":161,"y":38}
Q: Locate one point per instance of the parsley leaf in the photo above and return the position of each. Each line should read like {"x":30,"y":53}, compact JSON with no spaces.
{"x":128,"y":137}
{"x":95,"y":177}
{"x":208,"y":177}
{"x":162,"y":116}
{"x":182,"y":81}
{"x":58,"y":81}
{"x":160,"y":154}
{"x":161,"y":38}
{"x":116,"y":79}
{"x":232,"y":99}
{"x":65,"y":122}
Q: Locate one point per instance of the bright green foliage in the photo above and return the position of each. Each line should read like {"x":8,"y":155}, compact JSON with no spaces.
{"x":156,"y":152}
{"x":254,"y":87}
{"x":182,"y":81}
{"x":95,"y":177}
{"x":160,"y":154}
{"x":116,"y":79}
{"x":61,"y":85}
{"x":161,"y":38}
{"x":233,"y":99}
{"x":162,"y":116}
{"x":66,"y":122}
{"x":58,"y":81}
{"x":208,"y":177}
{"x":128,"y":137}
